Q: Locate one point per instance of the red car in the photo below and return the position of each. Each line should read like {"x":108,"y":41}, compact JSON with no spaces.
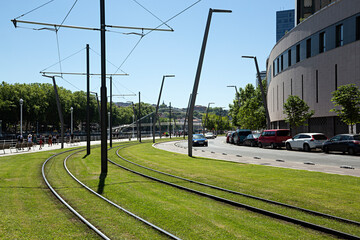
{"x":228,"y":135}
{"x":274,"y":138}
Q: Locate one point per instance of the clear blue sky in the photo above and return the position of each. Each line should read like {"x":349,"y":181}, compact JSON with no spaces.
{"x":249,"y":30}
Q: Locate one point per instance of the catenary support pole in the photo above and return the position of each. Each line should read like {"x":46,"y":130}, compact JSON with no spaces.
{"x":111,"y":114}
{"x":87,"y":100}
{"x":104,"y":163}
{"x":139,"y":118}
{"x":170,"y":119}
{"x":59,"y":112}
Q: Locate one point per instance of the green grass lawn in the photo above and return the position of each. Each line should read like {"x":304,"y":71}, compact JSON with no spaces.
{"x":30,"y":211}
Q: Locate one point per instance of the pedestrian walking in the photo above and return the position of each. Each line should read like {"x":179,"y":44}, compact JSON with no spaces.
{"x":40,"y":141}
{"x":29,"y":140}
{"x":50,"y":140}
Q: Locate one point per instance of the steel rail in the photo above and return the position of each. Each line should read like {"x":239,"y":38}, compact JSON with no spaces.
{"x":116,"y":205}
{"x":250,"y":208}
{"x":64,"y":202}
{"x":245,"y":195}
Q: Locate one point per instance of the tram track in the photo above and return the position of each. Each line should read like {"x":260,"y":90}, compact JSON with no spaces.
{"x":82,"y":218}
{"x":245,"y":206}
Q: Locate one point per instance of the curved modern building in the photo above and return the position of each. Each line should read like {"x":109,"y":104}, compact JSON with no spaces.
{"x":312,"y":60}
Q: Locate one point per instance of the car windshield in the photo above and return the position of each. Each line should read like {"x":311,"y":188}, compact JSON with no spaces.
{"x":244,"y":133}
{"x":200,"y":136}
{"x":319,"y":137}
{"x":256,"y":135}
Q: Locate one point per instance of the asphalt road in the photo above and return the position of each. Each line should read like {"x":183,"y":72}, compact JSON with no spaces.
{"x":316,"y":157}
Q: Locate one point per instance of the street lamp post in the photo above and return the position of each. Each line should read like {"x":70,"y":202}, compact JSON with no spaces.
{"x":72,"y":115}
{"x":237,"y":94}
{"x":197,"y":78}
{"x":262,"y":91}
{"x":207,"y":111}
{"x":21,"y":105}
{"x":157,"y":105}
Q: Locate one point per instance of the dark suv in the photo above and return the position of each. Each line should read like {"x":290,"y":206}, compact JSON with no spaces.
{"x":343,"y":143}
{"x":240,"y":135}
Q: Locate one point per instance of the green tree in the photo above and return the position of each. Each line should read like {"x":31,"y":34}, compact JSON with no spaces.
{"x":296,"y":111}
{"x":348,"y":98}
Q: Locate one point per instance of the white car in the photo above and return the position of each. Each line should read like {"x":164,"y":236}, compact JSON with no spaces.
{"x":209,"y":135}
{"x":306,"y":141}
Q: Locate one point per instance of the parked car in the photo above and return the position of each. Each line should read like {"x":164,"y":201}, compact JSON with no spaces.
{"x":228,"y":136}
{"x":274,"y":138}
{"x":231,"y":138}
{"x":199,"y":140}
{"x":306,"y":141}
{"x":251,"y":139}
{"x":240,"y":135}
{"x":209,"y":135}
{"x":344,"y":143}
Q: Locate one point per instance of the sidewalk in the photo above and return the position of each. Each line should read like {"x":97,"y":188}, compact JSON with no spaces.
{"x":46,"y":147}
{"x":203,"y":152}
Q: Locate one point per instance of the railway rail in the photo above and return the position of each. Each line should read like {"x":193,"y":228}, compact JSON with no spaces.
{"x":82,"y":218}
{"x":248,"y":207}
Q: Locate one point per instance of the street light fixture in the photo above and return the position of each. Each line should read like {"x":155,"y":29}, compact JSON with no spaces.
{"x":157,"y":106}
{"x":207,"y":111}
{"x":21,"y":104}
{"x":72,"y":111}
{"x":262,"y":91}
{"x":197,"y":78}
{"x":237,"y":94}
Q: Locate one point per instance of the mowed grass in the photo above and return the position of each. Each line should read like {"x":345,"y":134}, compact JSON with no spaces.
{"x":30,"y":211}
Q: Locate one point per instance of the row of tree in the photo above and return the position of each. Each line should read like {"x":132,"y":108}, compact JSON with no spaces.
{"x":40,"y":109}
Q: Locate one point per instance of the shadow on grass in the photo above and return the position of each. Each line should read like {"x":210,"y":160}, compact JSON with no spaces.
{"x":101,"y":185}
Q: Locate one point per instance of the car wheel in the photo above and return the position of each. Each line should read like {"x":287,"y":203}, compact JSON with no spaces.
{"x":306,"y":147}
{"x":260,"y":145}
{"x":326,"y":149}
{"x":288,"y":146}
{"x":273,"y":146}
{"x":351,"y":151}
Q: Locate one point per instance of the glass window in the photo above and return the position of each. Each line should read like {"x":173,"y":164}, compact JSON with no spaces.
{"x":277,"y":65}
{"x":308,"y":48}
{"x":319,"y":137}
{"x":282,"y":63}
{"x":283,"y":133}
{"x":358,"y":28}
{"x":296,"y":136}
{"x":289,"y":58}
{"x":322,"y":42}
{"x":336,"y":138}
{"x":339,"y":35}
{"x":298,"y":53}
{"x":356,"y":137}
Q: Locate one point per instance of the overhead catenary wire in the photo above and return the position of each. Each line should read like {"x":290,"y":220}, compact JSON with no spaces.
{"x":67,"y":15}
{"x":22,"y":15}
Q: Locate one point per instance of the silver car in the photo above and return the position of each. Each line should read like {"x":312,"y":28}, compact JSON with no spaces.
{"x":306,"y":141}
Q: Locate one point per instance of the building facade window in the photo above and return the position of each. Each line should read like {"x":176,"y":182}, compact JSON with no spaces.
{"x":281,"y":63}
{"x":277,"y":65}
{"x":298,"y":53}
{"x":308,"y":48}
{"x":336,"y":77}
{"x":289,"y":58}
{"x":339,"y":35}
{"x":358,"y":28}
{"x":317,"y":86}
{"x":322,"y":42}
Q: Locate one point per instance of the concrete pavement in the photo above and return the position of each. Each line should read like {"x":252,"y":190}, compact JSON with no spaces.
{"x":203,"y":152}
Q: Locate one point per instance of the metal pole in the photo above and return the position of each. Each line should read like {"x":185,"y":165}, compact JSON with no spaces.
{"x":263,"y":95}
{"x":207,"y":111}
{"x":104,"y":167}
{"x":59,"y":111}
{"x":109,"y":124}
{"x":21,"y":104}
{"x":197,"y":79}
{"x":150,"y":131}
{"x":110,"y":121}
{"x":139,"y":119}
{"x":170,"y":119}
{"x":71,"y":113}
{"x":133,"y":127}
{"x":196,"y":85}
{"x":187,"y":112}
{"x":157,"y":107}
{"x":87,"y":100}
